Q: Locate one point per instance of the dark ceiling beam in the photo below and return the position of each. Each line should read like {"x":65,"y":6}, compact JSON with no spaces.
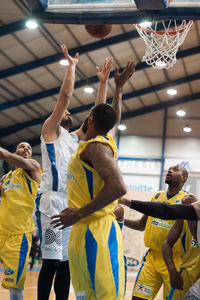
{"x":146,"y":110}
{"x":17,"y":127}
{"x":91,"y":80}
{"x":13,"y":27}
{"x":56,"y":57}
{"x":159,"y":106}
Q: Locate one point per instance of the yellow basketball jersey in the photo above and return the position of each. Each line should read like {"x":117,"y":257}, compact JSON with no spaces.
{"x":157,"y":229}
{"x":18,"y":193}
{"x":83,"y":182}
{"x":190,"y":252}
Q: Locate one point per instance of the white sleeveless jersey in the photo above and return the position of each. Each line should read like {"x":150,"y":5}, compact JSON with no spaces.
{"x":55,"y":158}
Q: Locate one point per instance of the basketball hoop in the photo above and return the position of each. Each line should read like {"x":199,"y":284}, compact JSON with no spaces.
{"x":162,"y":46}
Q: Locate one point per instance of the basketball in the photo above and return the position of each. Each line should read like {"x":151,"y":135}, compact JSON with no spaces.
{"x":98,"y":31}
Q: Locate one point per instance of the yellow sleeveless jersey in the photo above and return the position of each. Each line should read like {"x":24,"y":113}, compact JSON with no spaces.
{"x":18,"y":193}
{"x":83,"y":182}
{"x":190,"y":252}
{"x":157,"y":229}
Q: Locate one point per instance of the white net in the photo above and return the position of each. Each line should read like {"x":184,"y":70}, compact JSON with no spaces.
{"x":162,"y":45}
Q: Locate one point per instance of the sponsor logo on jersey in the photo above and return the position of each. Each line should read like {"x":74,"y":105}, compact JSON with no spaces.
{"x":144,"y":289}
{"x":70,"y":177}
{"x":161,"y":223}
{"x":9,"y":272}
{"x":9,"y":185}
{"x":81,"y":296}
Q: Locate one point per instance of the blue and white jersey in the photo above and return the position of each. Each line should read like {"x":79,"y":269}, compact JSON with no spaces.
{"x":55,"y":158}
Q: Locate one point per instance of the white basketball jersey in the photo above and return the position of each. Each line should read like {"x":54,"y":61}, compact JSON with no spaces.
{"x":55,"y":158}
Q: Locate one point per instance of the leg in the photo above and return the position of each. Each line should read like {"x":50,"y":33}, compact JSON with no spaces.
{"x":148,"y":281}
{"x":47,"y":272}
{"x":62,"y":281}
{"x":16,"y":294}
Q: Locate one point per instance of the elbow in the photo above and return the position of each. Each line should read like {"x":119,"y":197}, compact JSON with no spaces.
{"x":121,"y":189}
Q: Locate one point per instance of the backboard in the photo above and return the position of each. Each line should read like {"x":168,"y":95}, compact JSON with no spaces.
{"x":113,"y":11}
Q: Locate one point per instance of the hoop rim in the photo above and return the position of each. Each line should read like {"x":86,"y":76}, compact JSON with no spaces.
{"x":161,"y":32}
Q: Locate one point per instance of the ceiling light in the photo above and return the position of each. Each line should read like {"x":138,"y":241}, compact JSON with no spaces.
{"x":122,"y":127}
{"x":187,"y":128}
{"x":31,"y":24}
{"x":146,"y":24}
{"x":88,"y":90}
{"x":64,"y":62}
{"x":180,"y":112}
{"x":160,"y":64}
{"x":172,"y":92}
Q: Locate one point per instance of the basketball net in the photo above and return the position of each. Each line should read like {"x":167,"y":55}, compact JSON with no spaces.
{"x":162,"y":46}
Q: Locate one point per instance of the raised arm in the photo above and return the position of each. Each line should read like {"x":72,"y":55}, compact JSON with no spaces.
{"x":103,"y":76}
{"x":51,"y":129}
{"x":120,"y":80}
{"x":30,"y":165}
{"x":138,"y":224}
{"x":176,"y":280}
{"x":101,"y":158}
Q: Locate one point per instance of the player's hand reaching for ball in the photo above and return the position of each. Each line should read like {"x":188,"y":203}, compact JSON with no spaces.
{"x":71,"y":60}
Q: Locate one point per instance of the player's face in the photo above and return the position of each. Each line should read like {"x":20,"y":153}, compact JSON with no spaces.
{"x":174,"y":175}
{"x":24,"y":149}
{"x":66,"y":120}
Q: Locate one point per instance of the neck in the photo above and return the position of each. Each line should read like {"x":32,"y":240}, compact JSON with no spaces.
{"x":173,"y":189}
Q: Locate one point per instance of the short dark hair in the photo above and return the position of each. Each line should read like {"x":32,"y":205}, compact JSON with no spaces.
{"x":104,"y":116}
{"x":184,"y":171}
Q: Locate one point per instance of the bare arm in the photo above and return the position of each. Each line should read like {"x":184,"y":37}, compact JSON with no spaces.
{"x":30,"y":165}
{"x":176,"y":280}
{"x":189,"y":199}
{"x":119,"y":213}
{"x":120,"y":80}
{"x":101,"y":158}
{"x":137,"y":224}
{"x":103,"y":76}
{"x":50,"y":130}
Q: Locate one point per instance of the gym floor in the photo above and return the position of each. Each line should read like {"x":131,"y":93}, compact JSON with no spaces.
{"x":30,"y":290}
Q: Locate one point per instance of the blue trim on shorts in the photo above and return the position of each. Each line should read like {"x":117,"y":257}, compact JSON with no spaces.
{"x":183,"y":241}
{"x":89,"y":176}
{"x":22,"y":256}
{"x":91,"y":254}
{"x":173,"y":289}
{"x":29,"y":184}
{"x":113,"y":249}
{"x":143,"y":261}
{"x":51,"y":152}
{"x":38,"y":216}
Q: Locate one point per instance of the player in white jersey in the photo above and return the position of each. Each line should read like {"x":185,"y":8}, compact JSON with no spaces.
{"x":57,"y":145}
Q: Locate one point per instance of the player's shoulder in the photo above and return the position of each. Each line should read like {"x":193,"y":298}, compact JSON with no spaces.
{"x":158,"y":194}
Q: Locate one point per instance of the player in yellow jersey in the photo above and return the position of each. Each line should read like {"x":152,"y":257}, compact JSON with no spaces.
{"x":153,"y":272}
{"x":188,"y":271}
{"x":18,"y":192}
{"x":94,"y":183}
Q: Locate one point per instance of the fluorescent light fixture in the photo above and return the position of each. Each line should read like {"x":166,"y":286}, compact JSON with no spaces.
{"x":160,"y":64}
{"x":180,"y":112}
{"x":64,"y":62}
{"x":88,"y":90}
{"x":122,"y":127}
{"x":172,"y":92}
{"x":146,"y":24}
{"x":31,"y":24}
{"x":187,"y":128}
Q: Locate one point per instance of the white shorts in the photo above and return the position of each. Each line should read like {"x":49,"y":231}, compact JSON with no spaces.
{"x":194,"y":292}
{"x":54,"y":242}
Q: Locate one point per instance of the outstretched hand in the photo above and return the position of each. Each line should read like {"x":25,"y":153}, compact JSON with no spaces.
{"x":71,"y":60}
{"x":66,"y":218}
{"x":105,"y":72}
{"x":121,"y":78}
{"x":189,"y":199}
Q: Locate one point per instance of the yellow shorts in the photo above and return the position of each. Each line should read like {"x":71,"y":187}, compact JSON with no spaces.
{"x":152,"y":274}
{"x":14,"y":252}
{"x":96,"y":259}
{"x":190,"y":275}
